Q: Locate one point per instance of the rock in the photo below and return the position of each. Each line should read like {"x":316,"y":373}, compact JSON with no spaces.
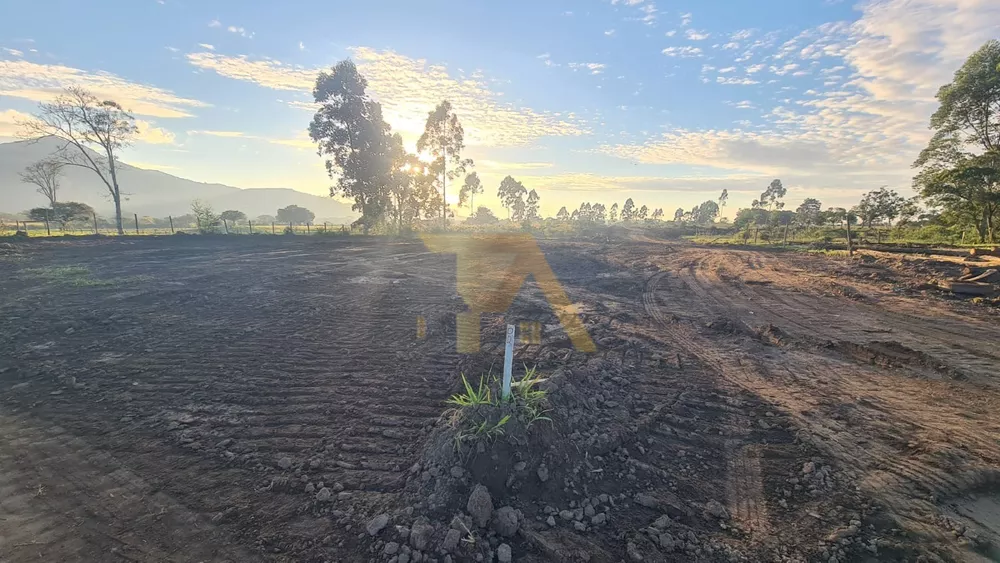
{"x":662,"y":523}
{"x":506,"y":521}
{"x":566,"y":515}
{"x":503,"y":554}
{"x":324,"y":495}
{"x":808,"y":467}
{"x":520,"y":466}
{"x":420,"y":534}
{"x":451,"y":540}
{"x":599,"y":519}
{"x":285,"y":462}
{"x":480,"y":506}
{"x":666,"y":541}
{"x":391,"y":548}
{"x":377,"y":524}
{"x":310,"y":488}
{"x":579,"y":526}
{"x":716,"y":509}
{"x":457,"y":472}
{"x":551,"y":521}
{"x":543,"y":473}
{"x":633,"y":552}
{"x":403,"y":558}
{"x":589,"y":511}
{"x":647,"y":500}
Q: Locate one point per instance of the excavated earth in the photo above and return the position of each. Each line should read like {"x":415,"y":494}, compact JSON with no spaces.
{"x":284,"y":399}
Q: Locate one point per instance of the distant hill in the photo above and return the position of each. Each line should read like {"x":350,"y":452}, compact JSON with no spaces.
{"x":151,"y":192}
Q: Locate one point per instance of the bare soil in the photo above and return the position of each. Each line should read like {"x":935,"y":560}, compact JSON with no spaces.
{"x":190,"y":398}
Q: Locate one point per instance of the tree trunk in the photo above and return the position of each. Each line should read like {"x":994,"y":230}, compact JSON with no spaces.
{"x":118,"y":213}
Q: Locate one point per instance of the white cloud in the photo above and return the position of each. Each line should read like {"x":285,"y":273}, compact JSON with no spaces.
{"x":150,"y":134}
{"x":14,"y":52}
{"x":207,"y":46}
{"x":10,"y":121}
{"x":727,"y":69}
{"x":752,"y":69}
{"x":609,"y":32}
{"x":735,"y":80}
{"x":594,"y":68}
{"x":215,"y":23}
{"x":742,"y":34}
{"x":686,"y":19}
{"x":685,"y":52}
{"x":43,"y":83}
{"x":484,"y":164}
{"x":695,"y":35}
{"x":671,"y":33}
{"x":408,"y":89}
{"x":300,"y":142}
{"x":302,"y":46}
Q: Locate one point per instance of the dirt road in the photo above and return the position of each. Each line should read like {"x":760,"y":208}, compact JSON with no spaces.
{"x":190,"y":399}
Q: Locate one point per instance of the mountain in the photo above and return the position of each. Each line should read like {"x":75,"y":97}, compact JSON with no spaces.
{"x":151,"y":192}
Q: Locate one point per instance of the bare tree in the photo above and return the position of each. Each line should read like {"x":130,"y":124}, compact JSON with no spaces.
{"x":44,"y":174}
{"x":91,"y":131}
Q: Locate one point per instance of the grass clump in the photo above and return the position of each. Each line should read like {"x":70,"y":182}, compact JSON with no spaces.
{"x":480,"y":412}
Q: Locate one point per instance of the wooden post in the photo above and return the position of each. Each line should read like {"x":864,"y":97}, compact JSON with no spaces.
{"x":755,"y":231}
{"x":225,"y":225}
{"x":136,"y":217}
{"x":290,"y":227}
{"x":785,"y":242}
{"x":307,"y":228}
{"x":324,"y":226}
{"x":47,"y":231}
{"x":250,"y":224}
{"x":95,"y":222}
{"x":272,"y":227}
{"x":171,"y":223}
{"x":850,"y":249}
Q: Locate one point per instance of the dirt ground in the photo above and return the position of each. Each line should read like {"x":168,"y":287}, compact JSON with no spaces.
{"x":273,"y":398}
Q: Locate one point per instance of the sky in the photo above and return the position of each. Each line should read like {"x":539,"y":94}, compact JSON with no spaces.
{"x":666,"y":102}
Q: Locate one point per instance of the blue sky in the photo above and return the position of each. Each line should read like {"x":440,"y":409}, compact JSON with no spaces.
{"x":590,"y":100}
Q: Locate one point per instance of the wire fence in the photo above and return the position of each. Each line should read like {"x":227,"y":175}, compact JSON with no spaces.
{"x":136,"y":228}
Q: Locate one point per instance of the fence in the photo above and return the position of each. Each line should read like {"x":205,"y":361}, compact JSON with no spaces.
{"x":48,"y":229}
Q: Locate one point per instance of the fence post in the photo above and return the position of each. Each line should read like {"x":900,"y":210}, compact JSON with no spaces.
{"x":47,"y":231}
{"x":307,"y":228}
{"x":250,"y":224}
{"x":850,"y":249}
{"x":755,"y":231}
{"x":171,"y":223}
{"x":272,"y":227}
{"x":290,"y":227}
{"x":95,"y":222}
{"x":136,"y":217}
{"x":324,"y":226}
{"x":225,"y":224}
{"x":785,"y":242}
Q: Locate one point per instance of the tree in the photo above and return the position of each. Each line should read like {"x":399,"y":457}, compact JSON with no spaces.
{"x":349,"y":128}
{"x":62,"y":213}
{"x":562,"y":215}
{"x":808,"y":212}
{"x":91,"y":133}
{"x":295,"y":215}
{"x":598,"y":212}
{"x":770,"y":199}
{"x":483,"y":216}
{"x":470,"y":188}
{"x":879,"y":205}
{"x":531,"y":206}
{"x":45,"y":175}
{"x":658,"y":214}
{"x":511,"y":194}
{"x":705,"y":213}
{"x":444,"y":139}
{"x":233,"y":217}
{"x":265,"y":219}
{"x":205,"y":217}
{"x":642,"y":213}
{"x":628,"y":210}
{"x":959,"y":167}
{"x":723,"y":200}
{"x":614,"y":213}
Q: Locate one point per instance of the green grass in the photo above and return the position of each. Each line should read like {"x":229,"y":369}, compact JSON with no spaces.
{"x":472,"y":397}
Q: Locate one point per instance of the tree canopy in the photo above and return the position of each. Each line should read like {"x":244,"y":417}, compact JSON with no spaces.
{"x":295,"y":215}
